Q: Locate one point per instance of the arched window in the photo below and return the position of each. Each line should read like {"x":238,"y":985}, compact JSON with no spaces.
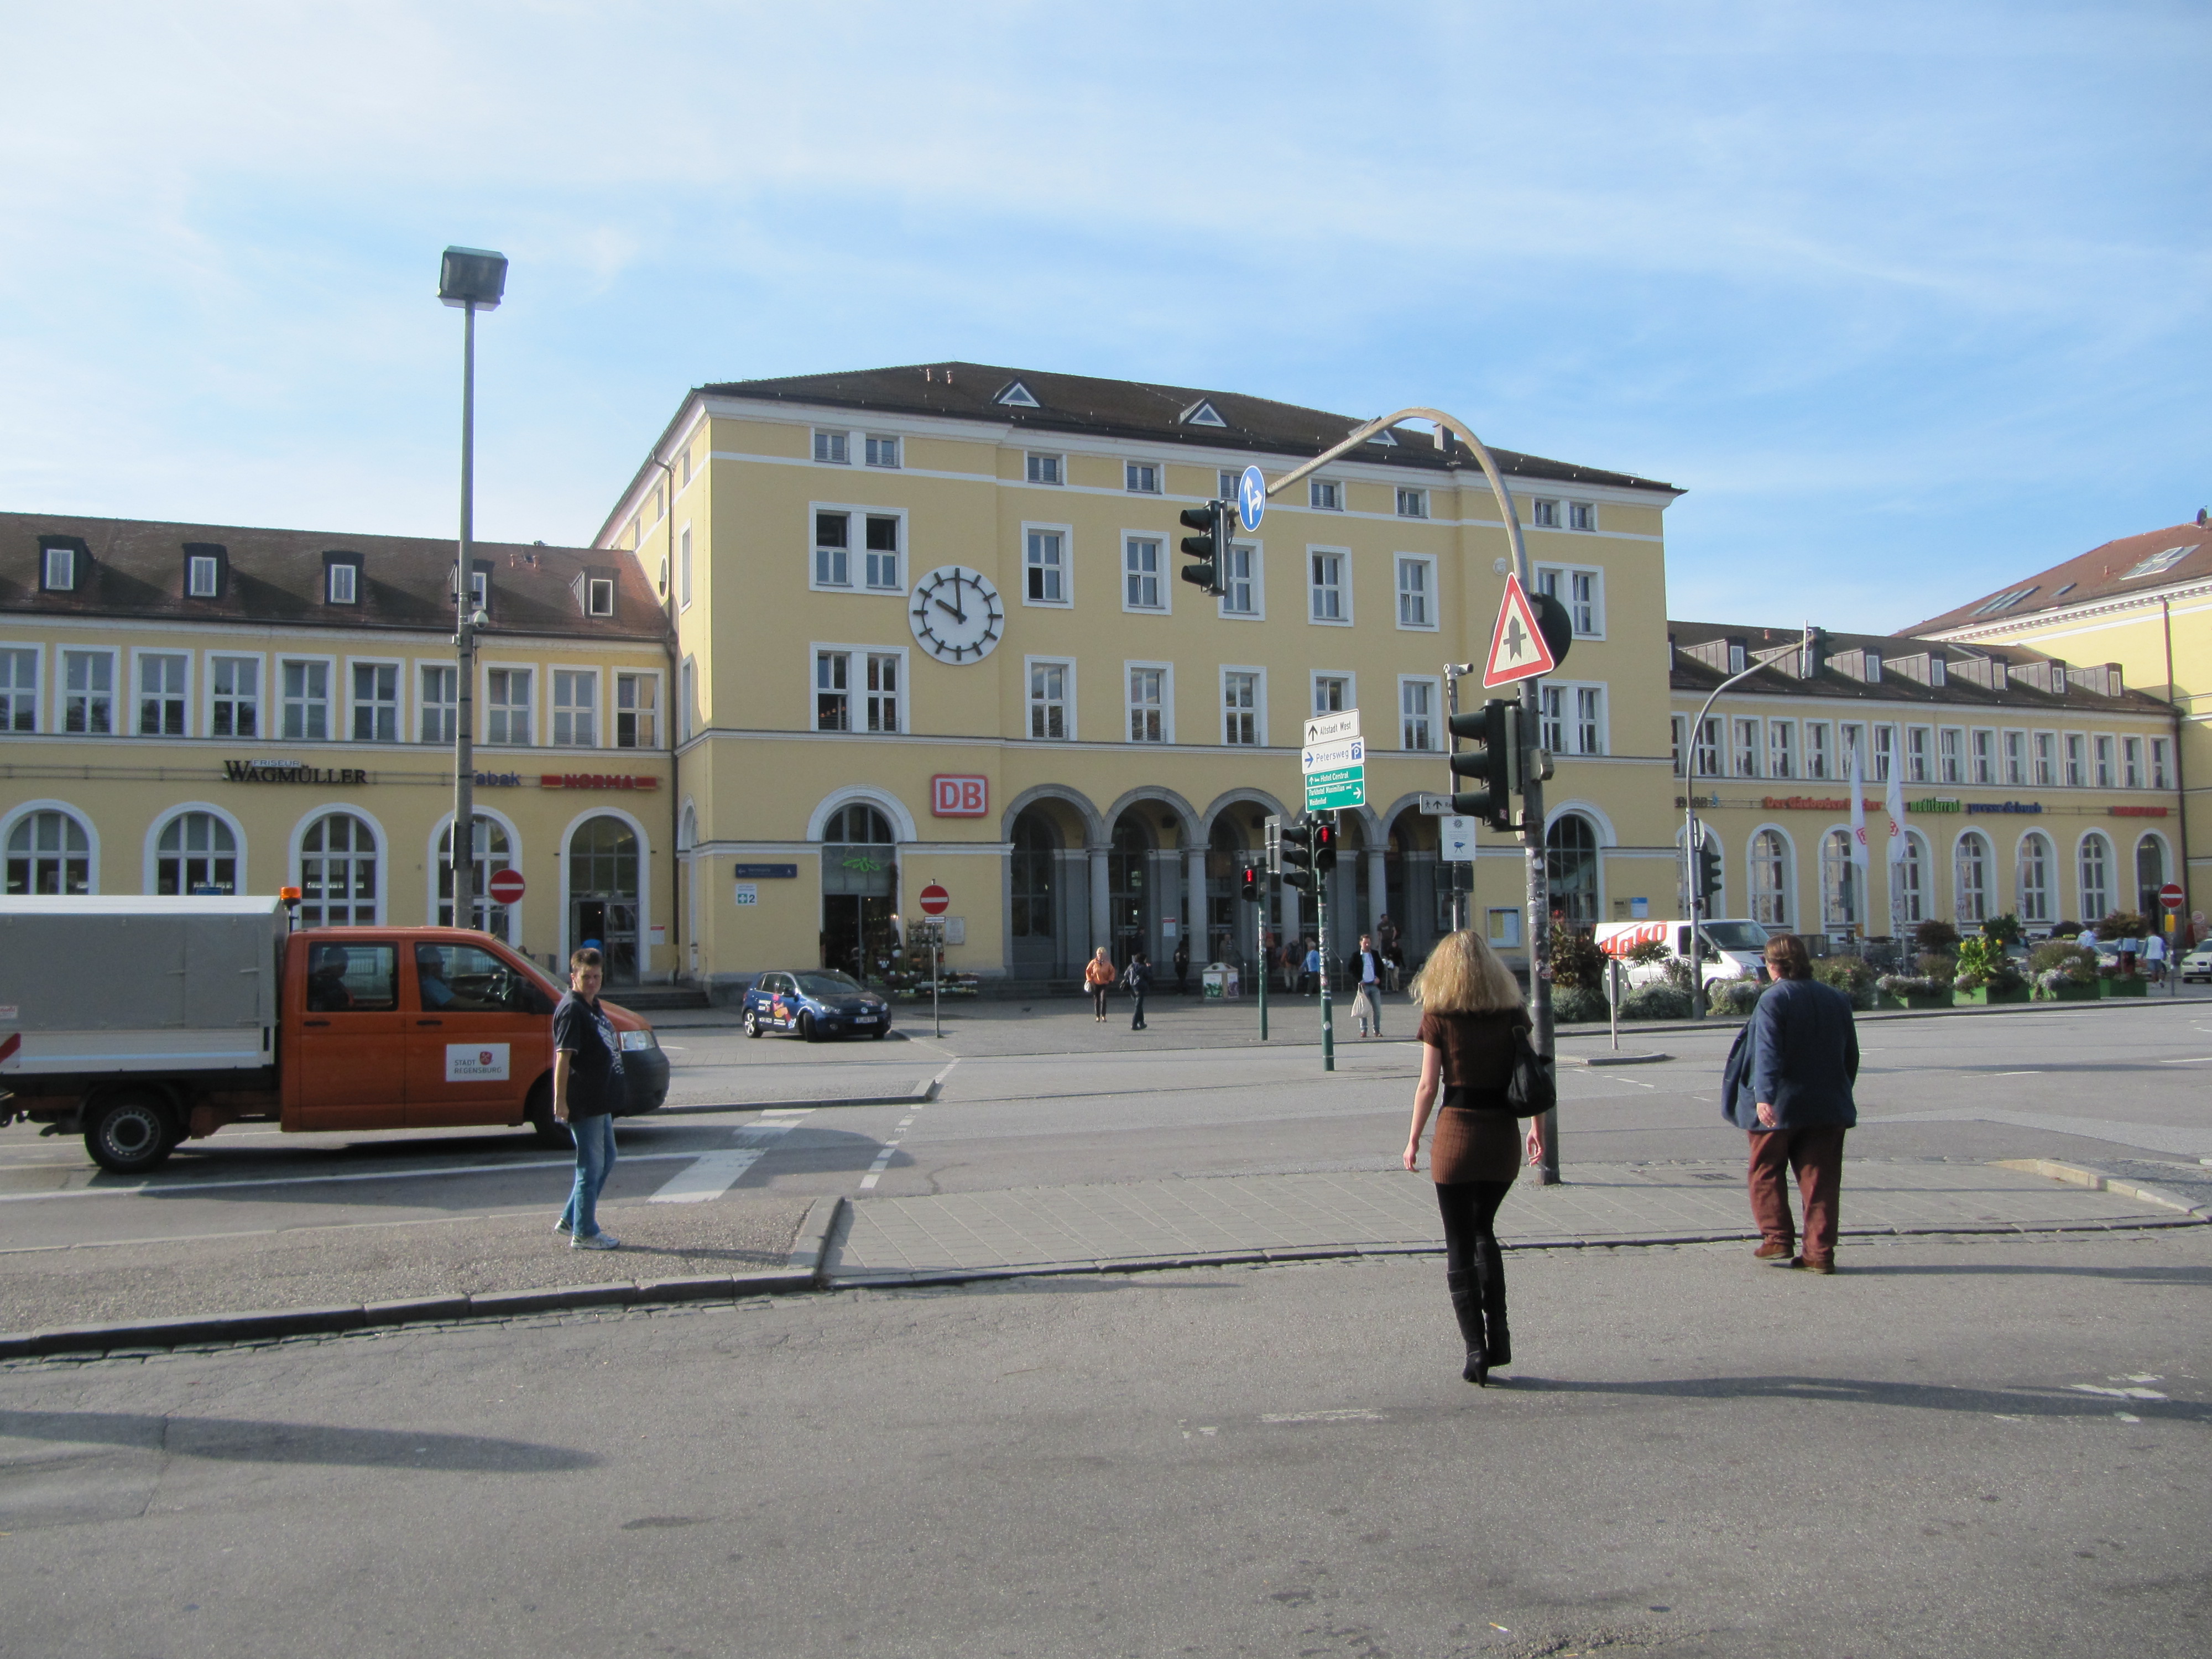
{"x":2150,"y":874}
{"x":1035,"y":844}
{"x":337,"y":872}
{"x":1843,"y":897}
{"x":1769,"y":878}
{"x":859,"y":823}
{"x":49,"y":852}
{"x":2096,"y":877}
{"x":604,"y":897}
{"x":1970,"y":880}
{"x":195,"y":854}
{"x":490,"y":852}
{"x":687,"y":830}
{"x":2035,"y":880}
{"x":1570,"y":861}
{"x":1911,"y":873}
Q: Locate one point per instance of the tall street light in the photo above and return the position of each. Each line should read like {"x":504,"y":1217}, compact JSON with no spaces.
{"x":474,"y":280}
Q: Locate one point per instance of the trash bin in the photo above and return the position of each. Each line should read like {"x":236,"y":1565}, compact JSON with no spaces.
{"x":1218,"y":982}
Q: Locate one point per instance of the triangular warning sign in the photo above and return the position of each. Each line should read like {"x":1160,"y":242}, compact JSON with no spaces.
{"x":1517,"y":648}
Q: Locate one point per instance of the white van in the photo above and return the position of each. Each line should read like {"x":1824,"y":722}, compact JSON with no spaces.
{"x":1741,"y":947}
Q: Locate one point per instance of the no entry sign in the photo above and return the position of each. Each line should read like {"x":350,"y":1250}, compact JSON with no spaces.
{"x":505,"y":887}
{"x":935,"y":901}
{"x":2170,"y":895}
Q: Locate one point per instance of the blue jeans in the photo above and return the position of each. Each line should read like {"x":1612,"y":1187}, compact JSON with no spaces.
{"x":595,"y":1161}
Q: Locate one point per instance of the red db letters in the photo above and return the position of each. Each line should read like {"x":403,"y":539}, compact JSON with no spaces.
{"x":952,"y":796}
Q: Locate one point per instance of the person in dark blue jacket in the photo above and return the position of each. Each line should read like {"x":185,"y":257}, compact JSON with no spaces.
{"x":1788,"y":1084}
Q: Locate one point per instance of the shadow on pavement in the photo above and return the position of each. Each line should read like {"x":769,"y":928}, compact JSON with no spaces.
{"x":248,"y":1441}
{"x":2053,"y":1402}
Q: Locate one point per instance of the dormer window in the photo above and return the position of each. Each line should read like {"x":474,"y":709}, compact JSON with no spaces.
{"x":202,"y":574}
{"x":1202,"y":413}
{"x":599,"y":597}
{"x":1937,"y":672}
{"x":342,"y":580}
{"x":62,"y":563}
{"x":1015,"y":395}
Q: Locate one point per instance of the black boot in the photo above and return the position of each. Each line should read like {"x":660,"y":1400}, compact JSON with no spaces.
{"x":1467,"y":1303}
{"x":1490,"y":1265}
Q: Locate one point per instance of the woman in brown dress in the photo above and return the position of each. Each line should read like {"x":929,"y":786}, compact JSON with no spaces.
{"x":1470,"y":1008}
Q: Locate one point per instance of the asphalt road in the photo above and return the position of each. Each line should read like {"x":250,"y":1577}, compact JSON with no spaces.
{"x":1050,"y":1099}
{"x":1957,"y":1448}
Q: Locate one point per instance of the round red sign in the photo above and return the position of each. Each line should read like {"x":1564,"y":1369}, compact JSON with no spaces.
{"x":505,"y":887}
{"x":2170,"y":895}
{"x":935,"y":901}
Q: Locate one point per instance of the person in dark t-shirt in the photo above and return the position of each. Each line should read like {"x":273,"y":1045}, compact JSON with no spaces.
{"x":587,"y":1086}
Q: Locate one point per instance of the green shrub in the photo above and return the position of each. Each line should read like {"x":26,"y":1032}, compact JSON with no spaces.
{"x":1576,"y":961}
{"x":1655,"y":1001}
{"x":2004,"y":929}
{"x":1735,"y":996}
{"x":1935,"y":965}
{"x":1574,"y":1005}
{"x":1936,"y":934}
{"x":1650,"y":951}
{"x":1982,"y":963}
{"x":1853,"y":976}
{"x":2122,"y":924}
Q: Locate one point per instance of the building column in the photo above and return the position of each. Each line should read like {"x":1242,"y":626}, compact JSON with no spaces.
{"x":1200,"y":926}
{"x":1102,"y":927}
{"x":1378,"y":893}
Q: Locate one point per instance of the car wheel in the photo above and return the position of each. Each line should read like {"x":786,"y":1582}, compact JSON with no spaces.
{"x":752,"y":1023}
{"x":883,"y":1032}
{"x":129,"y":1133}
{"x":806,"y":1028}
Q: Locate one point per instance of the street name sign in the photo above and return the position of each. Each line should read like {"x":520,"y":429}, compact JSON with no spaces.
{"x":1333,"y":728}
{"x":1251,"y":499}
{"x":1332,"y":757}
{"x":1518,"y":650}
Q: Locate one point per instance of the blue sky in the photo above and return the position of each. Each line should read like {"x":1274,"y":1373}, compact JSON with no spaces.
{"x":1910,"y":300}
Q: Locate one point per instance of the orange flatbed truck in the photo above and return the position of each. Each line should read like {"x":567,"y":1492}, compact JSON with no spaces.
{"x":142,"y":1021}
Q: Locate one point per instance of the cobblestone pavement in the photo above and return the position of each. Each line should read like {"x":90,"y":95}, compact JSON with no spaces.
{"x":1070,"y":1228}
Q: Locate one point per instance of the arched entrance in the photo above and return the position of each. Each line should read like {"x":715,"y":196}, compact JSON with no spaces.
{"x":1417,"y":889}
{"x":1231,"y":927}
{"x":603,"y":894}
{"x":1570,"y":859}
{"x":1033,"y":921}
{"x":490,"y":851}
{"x":860,"y":890}
{"x":2150,"y":876}
{"x":1129,"y":886}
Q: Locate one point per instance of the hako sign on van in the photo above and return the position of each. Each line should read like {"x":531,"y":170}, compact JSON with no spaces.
{"x":954,"y":795}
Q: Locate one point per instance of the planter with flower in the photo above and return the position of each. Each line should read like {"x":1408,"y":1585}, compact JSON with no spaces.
{"x":2063,"y":972}
{"x":1929,"y":987}
{"x":1987,"y":975}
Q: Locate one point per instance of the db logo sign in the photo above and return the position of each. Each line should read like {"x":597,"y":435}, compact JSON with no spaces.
{"x":952,"y":796}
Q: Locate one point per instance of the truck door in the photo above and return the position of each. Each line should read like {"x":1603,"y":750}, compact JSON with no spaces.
{"x":479,"y":1033}
{"x":347,"y":1068}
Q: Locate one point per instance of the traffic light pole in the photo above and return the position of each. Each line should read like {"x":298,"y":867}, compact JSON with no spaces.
{"x":1321,"y":926}
{"x":1461,"y":904}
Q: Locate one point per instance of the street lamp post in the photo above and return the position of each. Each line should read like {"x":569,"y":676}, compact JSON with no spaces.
{"x":474,"y":280}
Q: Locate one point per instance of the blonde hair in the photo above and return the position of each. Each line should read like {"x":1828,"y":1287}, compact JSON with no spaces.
{"x":1462,"y":975}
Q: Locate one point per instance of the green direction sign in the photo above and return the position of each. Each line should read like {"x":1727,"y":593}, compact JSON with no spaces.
{"x":1328,"y":791}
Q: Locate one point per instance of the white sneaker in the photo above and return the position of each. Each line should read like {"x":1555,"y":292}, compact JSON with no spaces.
{"x":560,"y":1225}
{"x":595,"y":1242}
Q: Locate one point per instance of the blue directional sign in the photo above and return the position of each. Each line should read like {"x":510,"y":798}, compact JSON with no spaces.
{"x":1251,"y":500}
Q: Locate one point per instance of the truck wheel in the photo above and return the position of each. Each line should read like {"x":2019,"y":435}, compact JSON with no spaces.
{"x":551,"y":1132}
{"x":752,"y":1023}
{"x":130,"y":1134}
{"x":806,"y":1028}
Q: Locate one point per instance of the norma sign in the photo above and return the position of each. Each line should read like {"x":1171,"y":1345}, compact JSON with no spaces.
{"x":956,"y":796}
{"x":2170,"y":895}
{"x":935,"y":901}
{"x":595,"y":781}
{"x":505,"y":887}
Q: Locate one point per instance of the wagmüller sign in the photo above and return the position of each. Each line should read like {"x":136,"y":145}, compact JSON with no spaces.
{"x":292,"y":772}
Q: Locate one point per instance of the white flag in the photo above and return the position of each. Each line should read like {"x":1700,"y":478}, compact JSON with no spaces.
{"x":1858,"y":810}
{"x":1898,"y":850}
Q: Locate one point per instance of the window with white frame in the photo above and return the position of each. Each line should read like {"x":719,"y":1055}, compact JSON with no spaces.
{"x":1769,"y":878}
{"x":599,"y":596}
{"x":1332,"y":693}
{"x":1574,"y":719}
{"x":2016,"y":758}
{"x":575,"y":708}
{"x":1951,"y":761}
{"x":881,"y":570}
{"x":683,"y":566}
{"x":687,"y":706}
{"x":859,"y":690}
{"x":1912,"y":878}
{"x":1225,"y":484}
{"x":438,"y":687}
{"x":833,"y":549}
{"x":507,"y":704}
{"x":1781,"y":749}
{"x":2161,"y":762}
{"x":637,"y":711}
{"x":88,"y":692}
{"x":1705,"y":758}
{"x":376,"y":703}
{"x":1417,"y":714}
{"x":1413,"y":503}
{"x":1582,"y":593}
{"x":344,"y":578}
{"x":882,"y":450}
{"x":1748,"y":756}
{"x":1329,"y":594}
{"x":1044,"y":469}
{"x":307,"y":694}
{"x":1985,"y":756}
{"x":49,"y":852}
{"x":1044,"y":564}
{"x":1850,"y":746}
{"x":1147,"y":696}
{"x":1140,"y":478}
{"x":2046,"y":759}
{"x":833,"y":447}
{"x":195,"y":853}
{"x":1241,"y":595}
{"x":203,"y":575}
{"x":1417,"y":584}
{"x":1325,"y":494}
{"x":1050,"y":702}
{"x":1140,"y":574}
{"x":1544,"y":514}
{"x":1582,"y":516}
{"x":2077,"y":761}
{"x":1970,"y":878}
{"x":1241,"y":701}
{"x":1820,"y":750}
{"x":2131,"y":763}
{"x":58,"y":570}
{"x":162,"y":694}
{"x":2106,"y":771}
{"x":1885,"y":752}
{"x":2096,"y":877}
{"x":2035,"y":883}
{"x":19,"y":689}
{"x":1919,"y":742}
{"x":1842,"y":902}
{"x":1676,"y":725}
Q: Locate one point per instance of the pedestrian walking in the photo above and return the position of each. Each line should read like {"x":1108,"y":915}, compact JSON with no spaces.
{"x":1139,"y":978}
{"x":1309,"y":981}
{"x":1385,"y":941}
{"x":1470,"y":1008}
{"x":1367,"y":969}
{"x":1098,"y":973}
{"x":587,"y":1086}
{"x":1788,"y":1084}
{"x":1290,"y":964}
{"x":2154,"y":957}
{"x":1181,"y":960}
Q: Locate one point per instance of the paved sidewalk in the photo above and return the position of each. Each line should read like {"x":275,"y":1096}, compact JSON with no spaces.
{"x":1157,"y":1223}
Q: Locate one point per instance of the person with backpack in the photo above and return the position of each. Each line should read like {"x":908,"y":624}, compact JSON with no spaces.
{"x":1471,"y":1016}
{"x":1138,"y":976}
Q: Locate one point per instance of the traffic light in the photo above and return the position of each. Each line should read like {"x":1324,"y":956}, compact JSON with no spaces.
{"x":1324,"y":846}
{"x":1299,"y":853}
{"x":1494,"y":762}
{"x":1212,"y":521}
{"x":1709,"y":874}
{"x":1255,"y":886}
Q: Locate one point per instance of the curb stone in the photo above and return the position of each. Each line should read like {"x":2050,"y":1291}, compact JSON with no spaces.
{"x":810,"y":1246}
{"x":2076,"y":1174}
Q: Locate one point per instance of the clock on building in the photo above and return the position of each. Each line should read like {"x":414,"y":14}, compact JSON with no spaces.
{"x":956,"y":614}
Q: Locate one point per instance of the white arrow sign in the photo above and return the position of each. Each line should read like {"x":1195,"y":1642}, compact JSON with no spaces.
{"x":1332,"y":757}
{"x":1333,"y":728}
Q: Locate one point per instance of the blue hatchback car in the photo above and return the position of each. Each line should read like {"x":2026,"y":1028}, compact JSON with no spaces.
{"x":815,"y":1005}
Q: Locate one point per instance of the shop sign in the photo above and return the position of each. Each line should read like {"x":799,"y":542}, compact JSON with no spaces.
{"x":499,"y":780}
{"x":1807,"y":803}
{"x":595,"y":781}
{"x":1697,"y":800}
{"x":954,"y":796}
{"x":768,"y":872}
{"x":1936,"y":804}
{"x":292,"y":772}
{"x":2137,"y":811}
{"x":2004,"y":806}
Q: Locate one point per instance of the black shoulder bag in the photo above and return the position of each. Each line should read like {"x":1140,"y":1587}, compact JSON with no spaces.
{"x":1532,"y":1089}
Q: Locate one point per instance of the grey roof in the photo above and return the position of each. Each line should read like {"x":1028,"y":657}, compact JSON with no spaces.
{"x":138,"y":570}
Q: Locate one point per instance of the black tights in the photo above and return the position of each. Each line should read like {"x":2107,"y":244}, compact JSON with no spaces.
{"x":1470,"y":1211}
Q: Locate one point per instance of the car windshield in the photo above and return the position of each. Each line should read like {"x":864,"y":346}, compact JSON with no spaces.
{"x":1736,"y":935}
{"x":827,"y":985}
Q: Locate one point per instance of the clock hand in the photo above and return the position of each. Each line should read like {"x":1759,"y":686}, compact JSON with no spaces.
{"x":956,"y":615}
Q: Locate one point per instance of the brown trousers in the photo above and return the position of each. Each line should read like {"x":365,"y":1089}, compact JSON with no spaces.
{"x":1817,"y":1157}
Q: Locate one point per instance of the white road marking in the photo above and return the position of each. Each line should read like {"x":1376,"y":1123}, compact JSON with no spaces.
{"x":2190,"y":1060}
{"x":714,"y":1173}
{"x":890,"y":1147}
{"x":1349,"y":1415}
{"x":2127,"y":1417}
{"x":188,"y":1186}
{"x":2116,"y":1394}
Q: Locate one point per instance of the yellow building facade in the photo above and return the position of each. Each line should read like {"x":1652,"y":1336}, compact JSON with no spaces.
{"x":2031,"y":787}
{"x":205,"y":709}
{"x":929,"y":630}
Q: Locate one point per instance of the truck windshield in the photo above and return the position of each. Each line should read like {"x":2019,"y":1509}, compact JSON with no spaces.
{"x":1736,"y":935}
